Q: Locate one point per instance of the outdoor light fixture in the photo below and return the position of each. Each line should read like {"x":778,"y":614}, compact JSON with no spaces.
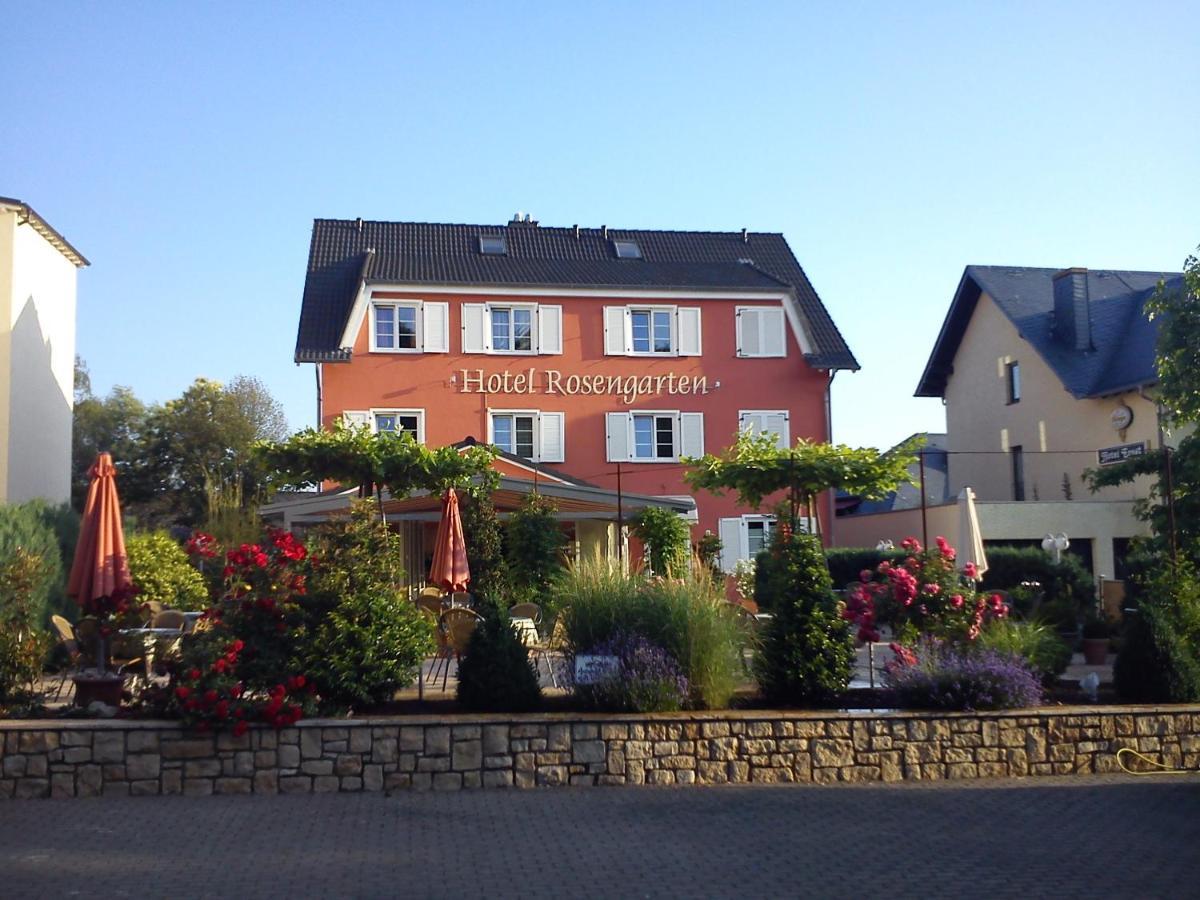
{"x":1055,"y":544}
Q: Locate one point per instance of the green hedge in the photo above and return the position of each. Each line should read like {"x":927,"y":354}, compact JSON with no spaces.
{"x":845,"y":563}
{"x":48,"y":532}
{"x":1067,"y":589}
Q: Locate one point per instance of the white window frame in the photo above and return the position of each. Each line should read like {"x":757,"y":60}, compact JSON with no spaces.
{"x":785,"y":438}
{"x":417,"y":307}
{"x":537,"y":415}
{"x":739,"y":326}
{"x":676,"y":435}
{"x":532,"y":309}
{"x":769,"y":524}
{"x":376,"y":412}
{"x":672,"y":320}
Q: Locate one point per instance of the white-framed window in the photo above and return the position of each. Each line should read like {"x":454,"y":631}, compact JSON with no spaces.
{"x":654,"y":435}
{"x":400,"y":421}
{"x":409,"y":326}
{"x":493,"y":245}
{"x":744,"y":537}
{"x":529,"y":433}
{"x":511,"y":328}
{"x":760,"y":421}
{"x":761,"y":331}
{"x":652,"y":330}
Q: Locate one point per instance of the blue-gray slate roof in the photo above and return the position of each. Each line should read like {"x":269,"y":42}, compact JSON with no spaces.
{"x":345,"y":253}
{"x":1121,"y":356}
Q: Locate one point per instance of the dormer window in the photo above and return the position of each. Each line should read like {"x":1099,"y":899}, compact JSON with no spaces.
{"x":493,"y":245}
{"x":627,"y":249}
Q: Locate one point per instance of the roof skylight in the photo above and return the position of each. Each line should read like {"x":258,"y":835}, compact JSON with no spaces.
{"x":627,"y":249}
{"x":493,"y":245}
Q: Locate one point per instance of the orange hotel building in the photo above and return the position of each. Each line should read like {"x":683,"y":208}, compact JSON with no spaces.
{"x":593,"y":358}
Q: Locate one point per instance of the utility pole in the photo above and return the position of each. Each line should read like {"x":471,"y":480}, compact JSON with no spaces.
{"x":620,"y":519}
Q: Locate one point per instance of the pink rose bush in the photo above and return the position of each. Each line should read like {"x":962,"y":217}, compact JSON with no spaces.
{"x":922,"y":595}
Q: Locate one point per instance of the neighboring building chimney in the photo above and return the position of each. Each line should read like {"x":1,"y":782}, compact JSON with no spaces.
{"x":1072,"y":315}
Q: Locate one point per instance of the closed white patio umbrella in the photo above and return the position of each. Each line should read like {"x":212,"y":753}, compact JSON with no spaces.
{"x":970,"y":538}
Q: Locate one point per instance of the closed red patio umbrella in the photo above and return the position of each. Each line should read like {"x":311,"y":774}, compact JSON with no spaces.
{"x":99,"y":579}
{"x":449,"y":570}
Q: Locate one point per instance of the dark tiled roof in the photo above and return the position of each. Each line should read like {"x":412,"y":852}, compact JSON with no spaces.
{"x":1122,"y":336}
{"x":344,"y":252}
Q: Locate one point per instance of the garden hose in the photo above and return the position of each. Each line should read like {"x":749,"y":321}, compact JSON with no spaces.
{"x":1166,"y":770}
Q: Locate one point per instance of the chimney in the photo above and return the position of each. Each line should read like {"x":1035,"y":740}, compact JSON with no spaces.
{"x":1072,"y":315}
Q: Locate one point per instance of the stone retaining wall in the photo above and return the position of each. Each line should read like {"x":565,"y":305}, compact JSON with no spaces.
{"x":91,"y":758}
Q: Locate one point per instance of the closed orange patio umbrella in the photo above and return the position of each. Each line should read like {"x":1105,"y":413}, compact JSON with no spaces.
{"x":449,"y":570}
{"x":99,"y":579}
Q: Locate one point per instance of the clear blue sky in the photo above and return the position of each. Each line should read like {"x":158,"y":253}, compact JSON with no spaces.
{"x":186,"y":148}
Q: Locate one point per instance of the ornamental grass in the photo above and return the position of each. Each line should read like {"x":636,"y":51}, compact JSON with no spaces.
{"x":687,"y":617}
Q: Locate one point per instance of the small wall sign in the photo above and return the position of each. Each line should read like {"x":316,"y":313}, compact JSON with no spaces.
{"x":1122,"y":417}
{"x":592,"y":669}
{"x":1110,"y":456}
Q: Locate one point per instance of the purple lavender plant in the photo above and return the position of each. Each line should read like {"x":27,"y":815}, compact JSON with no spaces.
{"x":944,"y":676}
{"x":648,"y":679}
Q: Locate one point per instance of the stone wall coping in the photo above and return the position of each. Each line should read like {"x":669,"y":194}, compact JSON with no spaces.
{"x":728,"y":715}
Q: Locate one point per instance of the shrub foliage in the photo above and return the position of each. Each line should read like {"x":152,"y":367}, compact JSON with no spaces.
{"x":496,"y":674}
{"x":806,"y":654}
{"x":162,"y":572}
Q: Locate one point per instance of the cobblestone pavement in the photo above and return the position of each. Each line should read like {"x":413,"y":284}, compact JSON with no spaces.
{"x":1071,"y":837}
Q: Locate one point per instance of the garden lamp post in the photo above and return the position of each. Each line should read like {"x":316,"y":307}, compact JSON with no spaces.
{"x":1055,"y":544}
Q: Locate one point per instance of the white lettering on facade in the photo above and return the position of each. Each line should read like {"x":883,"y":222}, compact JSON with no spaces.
{"x":628,"y":387}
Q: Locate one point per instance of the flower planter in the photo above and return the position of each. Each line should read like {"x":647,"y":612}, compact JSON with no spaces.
{"x":106,"y":688}
{"x":1095,"y":651}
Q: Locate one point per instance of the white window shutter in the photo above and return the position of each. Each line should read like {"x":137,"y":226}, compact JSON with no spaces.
{"x":777,"y":424}
{"x":687,"y":328}
{"x":553,"y":428}
{"x":774,"y":332}
{"x":549,"y":329}
{"x":436,"y":327}
{"x":474,"y":328}
{"x":730,"y":533}
{"x":748,"y":343}
{"x":750,"y":421}
{"x":356,"y":418}
{"x":616,"y":428}
{"x":691,"y":434}
{"x":614,"y":330}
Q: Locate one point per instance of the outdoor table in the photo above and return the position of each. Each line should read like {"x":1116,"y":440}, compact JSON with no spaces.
{"x":190,"y":620}
{"x":526,"y":630}
{"x":150,"y":640}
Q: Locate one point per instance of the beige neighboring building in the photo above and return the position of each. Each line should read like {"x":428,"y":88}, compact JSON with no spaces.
{"x":37,"y":355}
{"x":1044,"y":374}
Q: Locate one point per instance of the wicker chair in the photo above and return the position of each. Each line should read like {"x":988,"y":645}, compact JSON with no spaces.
{"x":457,"y":624}
{"x":66,"y":637}
{"x":430,"y":604}
{"x":555,"y":643}
{"x":527,"y":611}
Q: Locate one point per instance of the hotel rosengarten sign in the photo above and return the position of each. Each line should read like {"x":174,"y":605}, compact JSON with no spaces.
{"x":552,"y":381}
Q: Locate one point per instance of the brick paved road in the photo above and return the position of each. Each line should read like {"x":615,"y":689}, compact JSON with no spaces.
{"x":1094,"y":837}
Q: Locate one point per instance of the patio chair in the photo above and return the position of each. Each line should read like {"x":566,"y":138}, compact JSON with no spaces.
{"x":748,"y":626}
{"x":457,"y":624}
{"x":461,"y":599}
{"x":150,"y":609}
{"x":432,"y":604}
{"x":527,"y":611}
{"x":66,"y":638}
{"x":430,"y":591}
{"x":556,"y":643}
{"x":169,"y":618}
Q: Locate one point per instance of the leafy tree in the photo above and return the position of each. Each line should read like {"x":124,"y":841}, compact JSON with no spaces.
{"x":28,"y":528}
{"x":1177,"y":358}
{"x":353,"y":456}
{"x":485,"y":546}
{"x":666,"y":537}
{"x":116,"y":424}
{"x":162,"y":572}
{"x":754,"y":467}
{"x":198,"y":447}
{"x":806,"y":654}
{"x":535,"y":546}
{"x":364,"y":638}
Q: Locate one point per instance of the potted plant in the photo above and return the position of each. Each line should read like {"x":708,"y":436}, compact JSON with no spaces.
{"x":1096,"y":634}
